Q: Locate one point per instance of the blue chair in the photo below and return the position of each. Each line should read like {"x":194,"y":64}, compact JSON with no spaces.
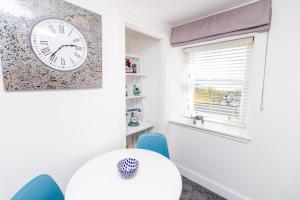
{"x":154,"y":142}
{"x":42,"y":187}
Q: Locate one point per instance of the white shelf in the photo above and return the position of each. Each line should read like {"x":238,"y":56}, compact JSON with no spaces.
{"x":133,"y":56}
{"x":142,"y":127}
{"x":134,"y":74}
{"x":135,"y":97}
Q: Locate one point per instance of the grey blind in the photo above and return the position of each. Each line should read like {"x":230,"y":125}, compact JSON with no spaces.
{"x":254,"y":17}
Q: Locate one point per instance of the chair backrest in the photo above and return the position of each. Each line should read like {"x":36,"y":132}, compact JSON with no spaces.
{"x":42,"y":187}
{"x":154,"y":142}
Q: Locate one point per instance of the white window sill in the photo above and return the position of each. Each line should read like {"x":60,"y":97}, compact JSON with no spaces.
{"x":221,"y":130}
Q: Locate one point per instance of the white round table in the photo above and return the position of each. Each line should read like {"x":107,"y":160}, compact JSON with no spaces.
{"x":157,"y":178}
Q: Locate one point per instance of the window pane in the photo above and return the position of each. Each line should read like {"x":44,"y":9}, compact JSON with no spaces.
{"x":219,"y":74}
{"x":217,"y":100}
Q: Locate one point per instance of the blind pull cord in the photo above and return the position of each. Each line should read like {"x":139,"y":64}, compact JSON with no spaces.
{"x":262,"y":106}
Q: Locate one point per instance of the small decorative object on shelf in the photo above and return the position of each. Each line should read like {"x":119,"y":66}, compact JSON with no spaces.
{"x":128,"y":167}
{"x":134,"y":68}
{"x":134,"y":120}
{"x":136,"y":90}
{"x":128,"y":68}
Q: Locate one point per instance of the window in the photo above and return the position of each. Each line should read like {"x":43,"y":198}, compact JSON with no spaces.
{"x":219,"y":81}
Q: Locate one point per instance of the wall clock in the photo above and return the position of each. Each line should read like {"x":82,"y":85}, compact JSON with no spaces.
{"x":58,"y":44}
{"x":48,"y":45}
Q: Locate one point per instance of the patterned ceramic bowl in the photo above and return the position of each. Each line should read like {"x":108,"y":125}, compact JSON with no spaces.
{"x":128,"y":167}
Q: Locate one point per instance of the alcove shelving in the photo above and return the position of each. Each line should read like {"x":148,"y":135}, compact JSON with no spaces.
{"x":142,"y":64}
{"x":135,"y":96}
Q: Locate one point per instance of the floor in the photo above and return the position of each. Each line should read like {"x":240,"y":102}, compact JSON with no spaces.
{"x":193,"y":191}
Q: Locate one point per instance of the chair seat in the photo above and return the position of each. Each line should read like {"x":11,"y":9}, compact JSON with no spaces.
{"x":42,"y":187}
{"x":156,"y":142}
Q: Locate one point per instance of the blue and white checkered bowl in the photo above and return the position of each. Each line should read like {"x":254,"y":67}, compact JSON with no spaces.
{"x":128,"y":167}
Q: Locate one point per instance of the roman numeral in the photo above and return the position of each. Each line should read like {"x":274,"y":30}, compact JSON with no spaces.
{"x":46,"y":51}
{"x":77,"y":55}
{"x":72,"y":60}
{"x":62,"y":61}
{"x":78,"y":48}
{"x":52,"y":28}
{"x":76,"y":40}
{"x":70,"y":32}
{"x":53,"y":58}
{"x":43,"y":42}
{"x":61,"y":28}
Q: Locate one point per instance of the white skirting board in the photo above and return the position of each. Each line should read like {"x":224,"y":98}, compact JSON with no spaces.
{"x":211,"y":184}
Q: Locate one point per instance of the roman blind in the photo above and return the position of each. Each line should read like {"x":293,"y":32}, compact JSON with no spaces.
{"x":218,"y":84}
{"x":254,"y":17}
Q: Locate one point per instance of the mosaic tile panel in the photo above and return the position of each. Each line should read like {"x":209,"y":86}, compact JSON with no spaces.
{"x":22,"y":70}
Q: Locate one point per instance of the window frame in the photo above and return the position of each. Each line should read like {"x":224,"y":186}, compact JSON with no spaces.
{"x":176,"y":107}
{"x":189,"y":96}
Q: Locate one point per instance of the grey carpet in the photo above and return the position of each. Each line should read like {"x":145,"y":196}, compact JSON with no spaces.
{"x":194,"y":191}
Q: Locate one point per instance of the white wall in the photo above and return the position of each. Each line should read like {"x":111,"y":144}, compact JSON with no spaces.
{"x":55,"y":132}
{"x":267,"y":168}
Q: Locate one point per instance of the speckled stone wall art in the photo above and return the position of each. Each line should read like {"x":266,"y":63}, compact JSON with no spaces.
{"x":21,"y":67}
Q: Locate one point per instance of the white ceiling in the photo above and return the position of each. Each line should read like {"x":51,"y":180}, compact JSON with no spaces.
{"x":175,"y":12}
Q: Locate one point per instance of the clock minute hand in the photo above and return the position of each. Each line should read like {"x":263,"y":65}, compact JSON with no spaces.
{"x":53,"y":54}
{"x":67,"y":45}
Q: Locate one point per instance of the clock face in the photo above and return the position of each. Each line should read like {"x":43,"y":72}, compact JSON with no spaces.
{"x":58,"y":44}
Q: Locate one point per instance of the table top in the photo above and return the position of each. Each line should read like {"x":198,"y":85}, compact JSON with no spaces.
{"x":157,"y":178}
